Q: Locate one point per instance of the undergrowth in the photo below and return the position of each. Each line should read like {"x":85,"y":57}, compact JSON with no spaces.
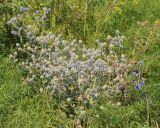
{"x":21,"y":105}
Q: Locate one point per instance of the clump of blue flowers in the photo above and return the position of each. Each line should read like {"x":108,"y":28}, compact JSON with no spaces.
{"x":139,"y":86}
{"x":24,"y":9}
{"x":72,"y":73}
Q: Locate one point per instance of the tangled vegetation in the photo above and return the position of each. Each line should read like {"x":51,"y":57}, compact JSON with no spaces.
{"x":71,"y":67}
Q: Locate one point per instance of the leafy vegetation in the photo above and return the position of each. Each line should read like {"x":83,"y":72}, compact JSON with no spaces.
{"x":23,"y":105}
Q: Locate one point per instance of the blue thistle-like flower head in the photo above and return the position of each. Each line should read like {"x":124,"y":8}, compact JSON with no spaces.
{"x":139,"y":86}
{"x":24,"y":9}
{"x":44,"y":17}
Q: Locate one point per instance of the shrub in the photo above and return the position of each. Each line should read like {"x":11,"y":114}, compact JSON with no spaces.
{"x":74,"y":75}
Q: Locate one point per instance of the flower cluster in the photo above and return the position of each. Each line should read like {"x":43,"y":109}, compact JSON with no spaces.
{"x":46,"y":12}
{"x":24,"y":9}
{"x":73,"y":74}
{"x":13,"y":20}
{"x":20,"y":26}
